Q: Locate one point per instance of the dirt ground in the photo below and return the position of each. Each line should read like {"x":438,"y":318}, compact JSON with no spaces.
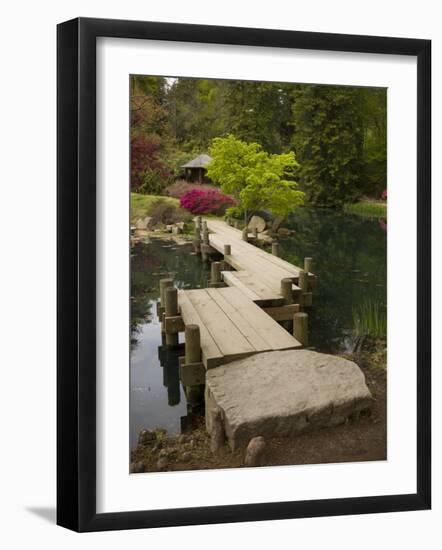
{"x":359,"y":440}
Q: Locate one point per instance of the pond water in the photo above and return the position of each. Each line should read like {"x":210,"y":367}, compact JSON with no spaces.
{"x":349,"y":255}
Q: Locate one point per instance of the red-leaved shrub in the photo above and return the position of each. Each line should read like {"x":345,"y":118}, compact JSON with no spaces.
{"x":144,"y":159}
{"x":210,"y":201}
{"x":384,"y":195}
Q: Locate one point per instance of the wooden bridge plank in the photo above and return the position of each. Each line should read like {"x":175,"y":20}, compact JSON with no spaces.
{"x":240,"y":321}
{"x":231,"y":279}
{"x":236,"y":236}
{"x":262,"y":323}
{"x":223,"y":331}
{"x":210,"y":351}
{"x":255,"y":283}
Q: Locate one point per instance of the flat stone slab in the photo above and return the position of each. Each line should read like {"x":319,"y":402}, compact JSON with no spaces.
{"x":284,"y":393}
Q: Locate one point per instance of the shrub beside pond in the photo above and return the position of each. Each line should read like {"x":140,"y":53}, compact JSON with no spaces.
{"x":209,"y":201}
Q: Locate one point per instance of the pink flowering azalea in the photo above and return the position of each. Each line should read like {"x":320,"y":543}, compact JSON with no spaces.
{"x":202,"y":201}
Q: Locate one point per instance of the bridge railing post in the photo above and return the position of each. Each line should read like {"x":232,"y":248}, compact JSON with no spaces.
{"x":300,"y":328}
{"x":227,"y":253}
{"x":275,"y":248}
{"x":164,"y":283}
{"x":287,"y":290}
{"x":194,"y":393}
{"x":197,"y":241}
{"x":215,"y":274}
{"x":308,"y":264}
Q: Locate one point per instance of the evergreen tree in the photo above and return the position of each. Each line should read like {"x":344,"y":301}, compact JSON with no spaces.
{"x":328,"y":142}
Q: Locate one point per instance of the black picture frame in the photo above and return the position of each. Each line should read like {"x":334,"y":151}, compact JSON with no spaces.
{"x":76,"y":272}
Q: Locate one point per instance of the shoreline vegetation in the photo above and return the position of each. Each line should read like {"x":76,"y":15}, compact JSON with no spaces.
{"x":142,"y":205}
{"x":367,"y":208}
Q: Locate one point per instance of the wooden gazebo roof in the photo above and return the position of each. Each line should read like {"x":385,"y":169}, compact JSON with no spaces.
{"x":201,"y":161}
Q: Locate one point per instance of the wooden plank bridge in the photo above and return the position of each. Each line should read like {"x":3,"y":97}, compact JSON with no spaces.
{"x":249,"y":292}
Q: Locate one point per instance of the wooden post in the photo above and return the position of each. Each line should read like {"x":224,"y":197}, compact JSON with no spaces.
{"x":255,"y":232}
{"x":171,"y":309}
{"x":308,"y":264}
{"x":197,"y":241}
{"x":205,"y":235}
{"x":199,"y":222}
{"x":227,"y":252}
{"x":204,"y":225}
{"x":286,"y":291}
{"x":300,"y":328}
{"x":192,"y":344}
{"x":164,"y":283}
{"x":194,"y":394}
{"x":215,"y":272}
{"x":303,"y":278}
{"x":205,"y":244}
{"x":275,"y":248}
{"x":245,"y":234}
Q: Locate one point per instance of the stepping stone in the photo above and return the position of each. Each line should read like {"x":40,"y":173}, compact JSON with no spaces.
{"x":284,"y":393}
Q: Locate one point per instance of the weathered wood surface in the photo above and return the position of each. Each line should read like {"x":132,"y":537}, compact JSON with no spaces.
{"x":234,"y":237}
{"x":258,"y":274}
{"x":231,"y":325}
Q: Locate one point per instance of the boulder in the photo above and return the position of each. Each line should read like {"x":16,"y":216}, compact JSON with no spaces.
{"x":145,"y":437}
{"x":136,"y":468}
{"x":144,"y":223}
{"x":162,"y":464}
{"x":258,"y":223}
{"x":255,"y":452}
{"x":283,"y":393}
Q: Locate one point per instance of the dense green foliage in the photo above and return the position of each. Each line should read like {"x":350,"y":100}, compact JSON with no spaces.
{"x":337,"y":133}
{"x":328,"y":141}
{"x":257,"y":179}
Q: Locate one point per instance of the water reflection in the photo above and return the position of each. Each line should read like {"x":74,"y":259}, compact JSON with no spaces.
{"x":171,"y":378}
{"x":157,"y":398}
{"x":350,"y":256}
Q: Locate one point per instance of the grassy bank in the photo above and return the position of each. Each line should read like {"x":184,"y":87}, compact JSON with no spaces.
{"x":374,"y":209}
{"x":142,"y":205}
